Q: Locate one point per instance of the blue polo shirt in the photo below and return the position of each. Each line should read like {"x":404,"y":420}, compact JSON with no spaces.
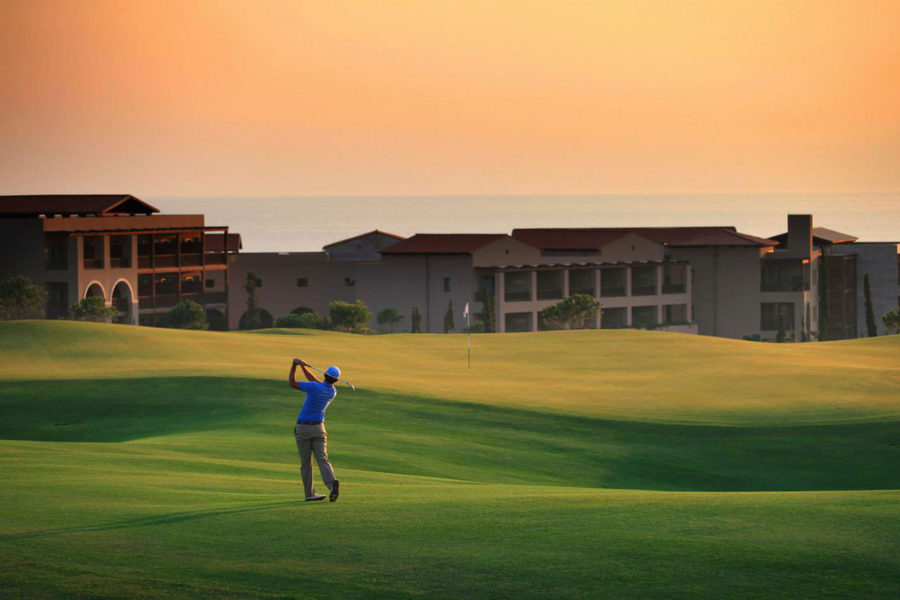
{"x":318,"y":397}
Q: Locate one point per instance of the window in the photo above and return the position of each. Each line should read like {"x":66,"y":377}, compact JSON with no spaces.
{"x":145,"y":285}
{"x":190,"y":283}
{"x":784,"y":276}
{"x":191,"y":249}
{"x":56,"y":251}
{"x":145,"y":251}
{"x":166,"y":284}
{"x":120,"y":251}
{"x":302,"y":282}
{"x":612,"y":282}
{"x":517,"y":286}
{"x":643,"y":316}
{"x":675,"y":313}
{"x":165,"y":250}
{"x":93,"y":252}
{"x":485,"y":285}
{"x":581,"y":281}
{"x":518,"y":322}
{"x":210,"y":283}
{"x":164,"y":245}
{"x":614,"y":318}
{"x":643,"y":281}
{"x":550,"y":285}
{"x":446,"y":284}
{"x":776,"y":316}
{"x":674,"y":279}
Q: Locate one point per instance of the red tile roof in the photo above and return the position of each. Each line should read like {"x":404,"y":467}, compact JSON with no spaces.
{"x":723,"y":237}
{"x":443,"y":243}
{"x":73,"y":204}
{"x":584,"y":238}
{"x":363,"y":235}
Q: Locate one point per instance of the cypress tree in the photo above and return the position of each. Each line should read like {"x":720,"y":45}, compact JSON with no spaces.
{"x":415,"y":320}
{"x":449,"y":325}
{"x":870,"y":313}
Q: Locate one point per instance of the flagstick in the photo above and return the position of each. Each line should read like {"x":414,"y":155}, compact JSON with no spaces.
{"x":468,"y":338}
{"x":469,"y":342}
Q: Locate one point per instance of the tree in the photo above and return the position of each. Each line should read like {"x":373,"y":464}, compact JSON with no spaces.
{"x":416,"y":320}
{"x":871,"y":328}
{"x":305,"y":320}
{"x":253,"y":318}
{"x":389,"y":317}
{"x":487,"y":310}
{"x":891,"y":320}
{"x":187,"y":314}
{"x":574,"y":312}
{"x":449,"y":325}
{"x":20,"y":298}
{"x":349,"y":317}
{"x":93,"y":308}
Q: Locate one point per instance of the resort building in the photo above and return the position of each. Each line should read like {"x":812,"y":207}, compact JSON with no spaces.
{"x":119,"y":248}
{"x":807,"y":283}
{"x":845,"y":264}
{"x":298,"y":282}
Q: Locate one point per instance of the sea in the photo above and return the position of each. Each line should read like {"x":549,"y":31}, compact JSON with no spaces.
{"x":303,"y":224}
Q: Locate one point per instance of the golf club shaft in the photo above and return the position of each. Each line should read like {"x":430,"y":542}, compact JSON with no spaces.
{"x":353,"y":387}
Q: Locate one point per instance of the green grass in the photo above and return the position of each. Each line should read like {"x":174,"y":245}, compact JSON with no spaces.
{"x":141,"y":463}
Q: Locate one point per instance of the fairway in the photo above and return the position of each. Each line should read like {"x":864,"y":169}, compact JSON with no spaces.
{"x":152,"y":463}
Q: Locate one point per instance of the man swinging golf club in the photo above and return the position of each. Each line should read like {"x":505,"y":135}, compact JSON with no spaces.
{"x":310,"y":429}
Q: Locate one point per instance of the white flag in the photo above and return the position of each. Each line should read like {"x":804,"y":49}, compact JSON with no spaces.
{"x":466,"y":311}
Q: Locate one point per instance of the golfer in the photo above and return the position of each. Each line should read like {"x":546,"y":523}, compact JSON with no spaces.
{"x":310,"y":428}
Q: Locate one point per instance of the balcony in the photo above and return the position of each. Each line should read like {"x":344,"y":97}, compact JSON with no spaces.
{"x":674,"y":288}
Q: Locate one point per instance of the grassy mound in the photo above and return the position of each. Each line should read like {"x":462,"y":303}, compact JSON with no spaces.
{"x":156,"y":463}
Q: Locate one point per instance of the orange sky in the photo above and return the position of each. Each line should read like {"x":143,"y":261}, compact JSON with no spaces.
{"x":339,"y":97}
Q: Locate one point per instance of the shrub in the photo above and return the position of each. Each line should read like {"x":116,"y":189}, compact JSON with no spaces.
{"x":20,"y":298}
{"x":306,"y":320}
{"x":94,"y":309}
{"x":891,"y":320}
{"x":574,"y":312}
{"x":187,"y":314}
{"x":349,"y":317}
{"x":389,"y":317}
{"x":478,"y":326}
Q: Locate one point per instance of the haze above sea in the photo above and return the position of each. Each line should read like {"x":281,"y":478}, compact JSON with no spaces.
{"x":302,"y":224}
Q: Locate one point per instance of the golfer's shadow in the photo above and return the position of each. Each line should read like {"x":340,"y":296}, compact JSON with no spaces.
{"x":165,"y":519}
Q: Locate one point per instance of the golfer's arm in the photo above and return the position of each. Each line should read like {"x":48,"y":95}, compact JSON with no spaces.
{"x":291,"y":380}
{"x":309,"y":375}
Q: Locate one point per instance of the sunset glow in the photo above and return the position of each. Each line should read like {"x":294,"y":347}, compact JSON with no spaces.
{"x":292,"y":98}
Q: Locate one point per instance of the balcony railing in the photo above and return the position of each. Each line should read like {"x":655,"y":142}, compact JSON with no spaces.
{"x":794,"y":284}
{"x":643,"y":290}
{"x":673,"y":288}
{"x":517,"y":296}
{"x":612,"y":291}
{"x":549,"y":294}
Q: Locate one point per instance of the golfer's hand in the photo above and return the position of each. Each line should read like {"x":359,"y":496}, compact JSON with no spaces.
{"x":297,"y":361}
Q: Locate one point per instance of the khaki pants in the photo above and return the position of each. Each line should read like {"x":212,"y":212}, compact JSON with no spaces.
{"x":312,"y":439}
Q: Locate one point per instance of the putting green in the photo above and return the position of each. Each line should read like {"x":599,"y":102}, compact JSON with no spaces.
{"x":152,"y":463}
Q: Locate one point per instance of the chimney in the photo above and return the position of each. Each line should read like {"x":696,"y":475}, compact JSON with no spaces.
{"x":800,"y":237}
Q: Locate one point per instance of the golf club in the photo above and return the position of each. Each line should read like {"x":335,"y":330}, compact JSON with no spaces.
{"x":352,"y":387}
